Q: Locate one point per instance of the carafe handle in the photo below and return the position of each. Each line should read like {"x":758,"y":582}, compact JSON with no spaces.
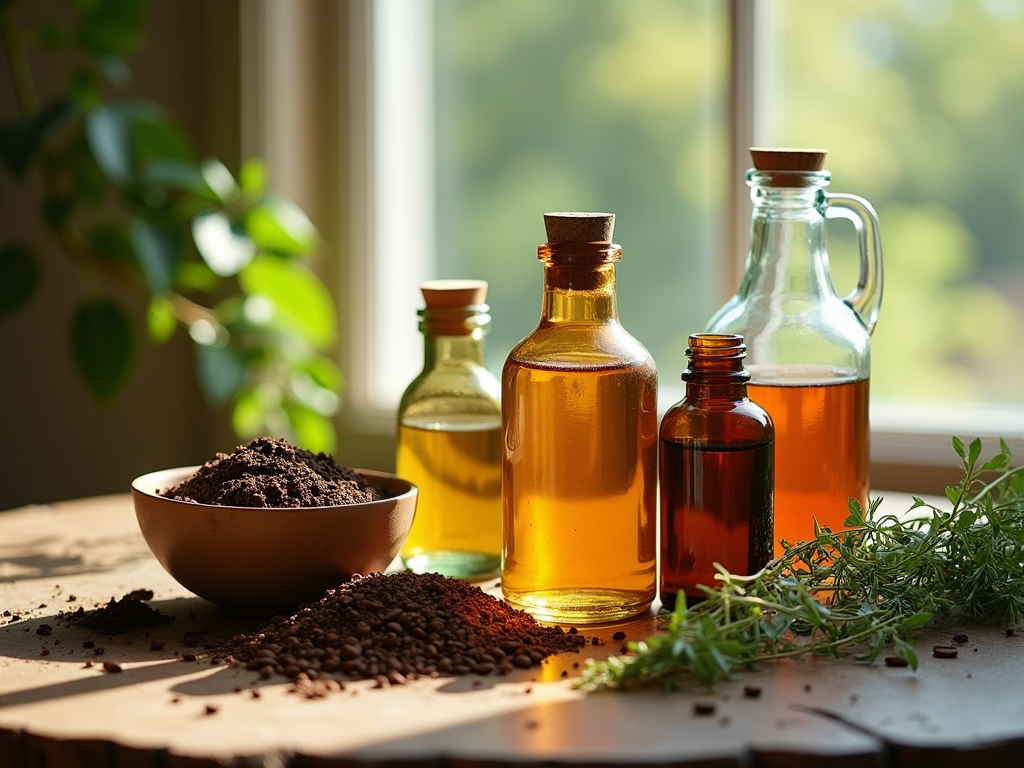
{"x":866,"y":298}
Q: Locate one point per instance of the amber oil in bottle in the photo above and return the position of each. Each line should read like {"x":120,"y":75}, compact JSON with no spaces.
{"x":449,"y":438}
{"x":717,"y":458}
{"x":579,"y":432}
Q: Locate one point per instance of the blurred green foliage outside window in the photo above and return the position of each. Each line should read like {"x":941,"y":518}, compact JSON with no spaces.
{"x":620,"y":105}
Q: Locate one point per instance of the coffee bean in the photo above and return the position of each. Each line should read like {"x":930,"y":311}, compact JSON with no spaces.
{"x":944,"y":652}
{"x":752,"y":691}
{"x":896,"y":661}
{"x":111,"y":666}
{"x":704,"y":708}
{"x":619,"y":636}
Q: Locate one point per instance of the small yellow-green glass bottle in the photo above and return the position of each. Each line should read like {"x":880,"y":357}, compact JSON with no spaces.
{"x":449,"y":438}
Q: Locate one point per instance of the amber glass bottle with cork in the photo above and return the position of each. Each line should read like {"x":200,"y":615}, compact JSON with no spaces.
{"x":579,"y":442}
{"x":449,"y":425}
{"x":807,"y":347}
{"x":717,"y":460}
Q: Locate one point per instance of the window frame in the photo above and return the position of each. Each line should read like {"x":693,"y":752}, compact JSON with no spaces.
{"x":384,"y":240}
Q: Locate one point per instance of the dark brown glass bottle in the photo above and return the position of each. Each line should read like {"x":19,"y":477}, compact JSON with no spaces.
{"x":717,"y":465}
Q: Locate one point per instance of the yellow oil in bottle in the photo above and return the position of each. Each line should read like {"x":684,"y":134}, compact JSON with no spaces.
{"x":579,"y":494}
{"x":457,"y":467}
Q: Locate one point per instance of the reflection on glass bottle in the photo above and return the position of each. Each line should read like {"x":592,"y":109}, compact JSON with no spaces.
{"x":449,"y":437}
{"x":717,"y":459}
{"x":579,"y":420}
{"x":807,"y":348}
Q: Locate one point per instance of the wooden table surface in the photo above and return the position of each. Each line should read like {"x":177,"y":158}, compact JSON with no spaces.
{"x":162,"y":711}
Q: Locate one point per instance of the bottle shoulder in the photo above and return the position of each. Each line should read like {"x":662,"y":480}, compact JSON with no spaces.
{"x":584,"y":346}
{"x":797,"y":332}
{"x":452,"y":389}
{"x":723,"y":423}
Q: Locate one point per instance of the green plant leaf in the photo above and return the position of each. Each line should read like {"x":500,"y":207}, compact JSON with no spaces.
{"x":102,"y":347}
{"x":253,"y":179}
{"x":301,"y":302}
{"x":221,"y":372}
{"x":115,"y":70}
{"x":324,"y":371}
{"x":958,"y":446}
{"x":279,"y":226}
{"x":196,"y":276}
{"x":219,"y":179}
{"x":156,"y":136}
{"x":312,"y":431}
{"x":158,"y":254}
{"x":111,"y":27}
{"x":224,"y":249}
{"x":247,"y":415}
{"x":22,"y":137}
{"x":110,"y":139}
{"x":175,"y":174}
{"x":21,"y":271}
{"x":161,"y":320}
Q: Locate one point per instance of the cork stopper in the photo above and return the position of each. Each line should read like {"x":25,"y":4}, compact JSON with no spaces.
{"x":788,"y":159}
{"x":453,"y":293}
{"x":574,"y":227}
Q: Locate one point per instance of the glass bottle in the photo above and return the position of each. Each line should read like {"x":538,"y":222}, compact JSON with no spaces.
{"x":717,"y":458}
{"x":807,"y":348}
{"x":579,"y":421}
{"x":449,"y":435}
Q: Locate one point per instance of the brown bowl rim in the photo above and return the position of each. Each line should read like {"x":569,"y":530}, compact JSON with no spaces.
{"x":369,"y":474}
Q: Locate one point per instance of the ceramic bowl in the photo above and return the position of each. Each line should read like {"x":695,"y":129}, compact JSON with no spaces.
{"x":262,"y":561}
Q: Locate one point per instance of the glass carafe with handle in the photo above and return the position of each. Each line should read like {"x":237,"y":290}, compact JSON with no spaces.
{"x":807,"y":347}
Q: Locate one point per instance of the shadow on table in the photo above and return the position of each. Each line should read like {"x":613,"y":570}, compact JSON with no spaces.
{"x":54,"y":640}
{"x":52,"y":558}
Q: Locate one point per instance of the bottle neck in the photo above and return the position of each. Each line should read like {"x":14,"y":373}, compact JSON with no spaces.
{"x":444,"y":350}
{"x":454,"y":334}
{"x":715,"y":370}
{"x":788,"y":252}
{"x":579,"y":282}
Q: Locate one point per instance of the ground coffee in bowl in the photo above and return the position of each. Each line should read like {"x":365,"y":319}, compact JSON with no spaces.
{"x":273,"y":473}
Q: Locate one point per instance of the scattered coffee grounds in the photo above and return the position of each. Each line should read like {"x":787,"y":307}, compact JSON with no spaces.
{"x":315,"y":689}
{"x":117,"y":617}
{"x":399,"y":626}
{"x":961,"y":638}
{"x":272,"y":473}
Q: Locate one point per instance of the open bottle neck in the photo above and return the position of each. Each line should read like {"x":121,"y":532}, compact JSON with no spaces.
{"x":715,"y":370}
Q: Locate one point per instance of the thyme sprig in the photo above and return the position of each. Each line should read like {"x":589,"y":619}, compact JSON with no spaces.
{"x":864,"y":589}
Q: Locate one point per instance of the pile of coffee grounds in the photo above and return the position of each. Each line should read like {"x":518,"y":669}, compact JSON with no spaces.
{"x":399,"y":626}
{"x":272,"y":473}
{"x":118,"y":616}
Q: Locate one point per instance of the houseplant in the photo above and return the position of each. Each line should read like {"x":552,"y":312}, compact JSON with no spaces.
{"x":206,"y":252}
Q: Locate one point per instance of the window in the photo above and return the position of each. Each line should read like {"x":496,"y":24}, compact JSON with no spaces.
{"x":489,"y":114}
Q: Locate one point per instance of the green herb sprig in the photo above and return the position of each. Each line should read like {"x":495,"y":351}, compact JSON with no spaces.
{"x":866,"y":589}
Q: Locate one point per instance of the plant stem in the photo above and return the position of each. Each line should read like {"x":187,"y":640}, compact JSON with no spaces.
{"x":17,"y":60}
{"x":988,"y":488}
